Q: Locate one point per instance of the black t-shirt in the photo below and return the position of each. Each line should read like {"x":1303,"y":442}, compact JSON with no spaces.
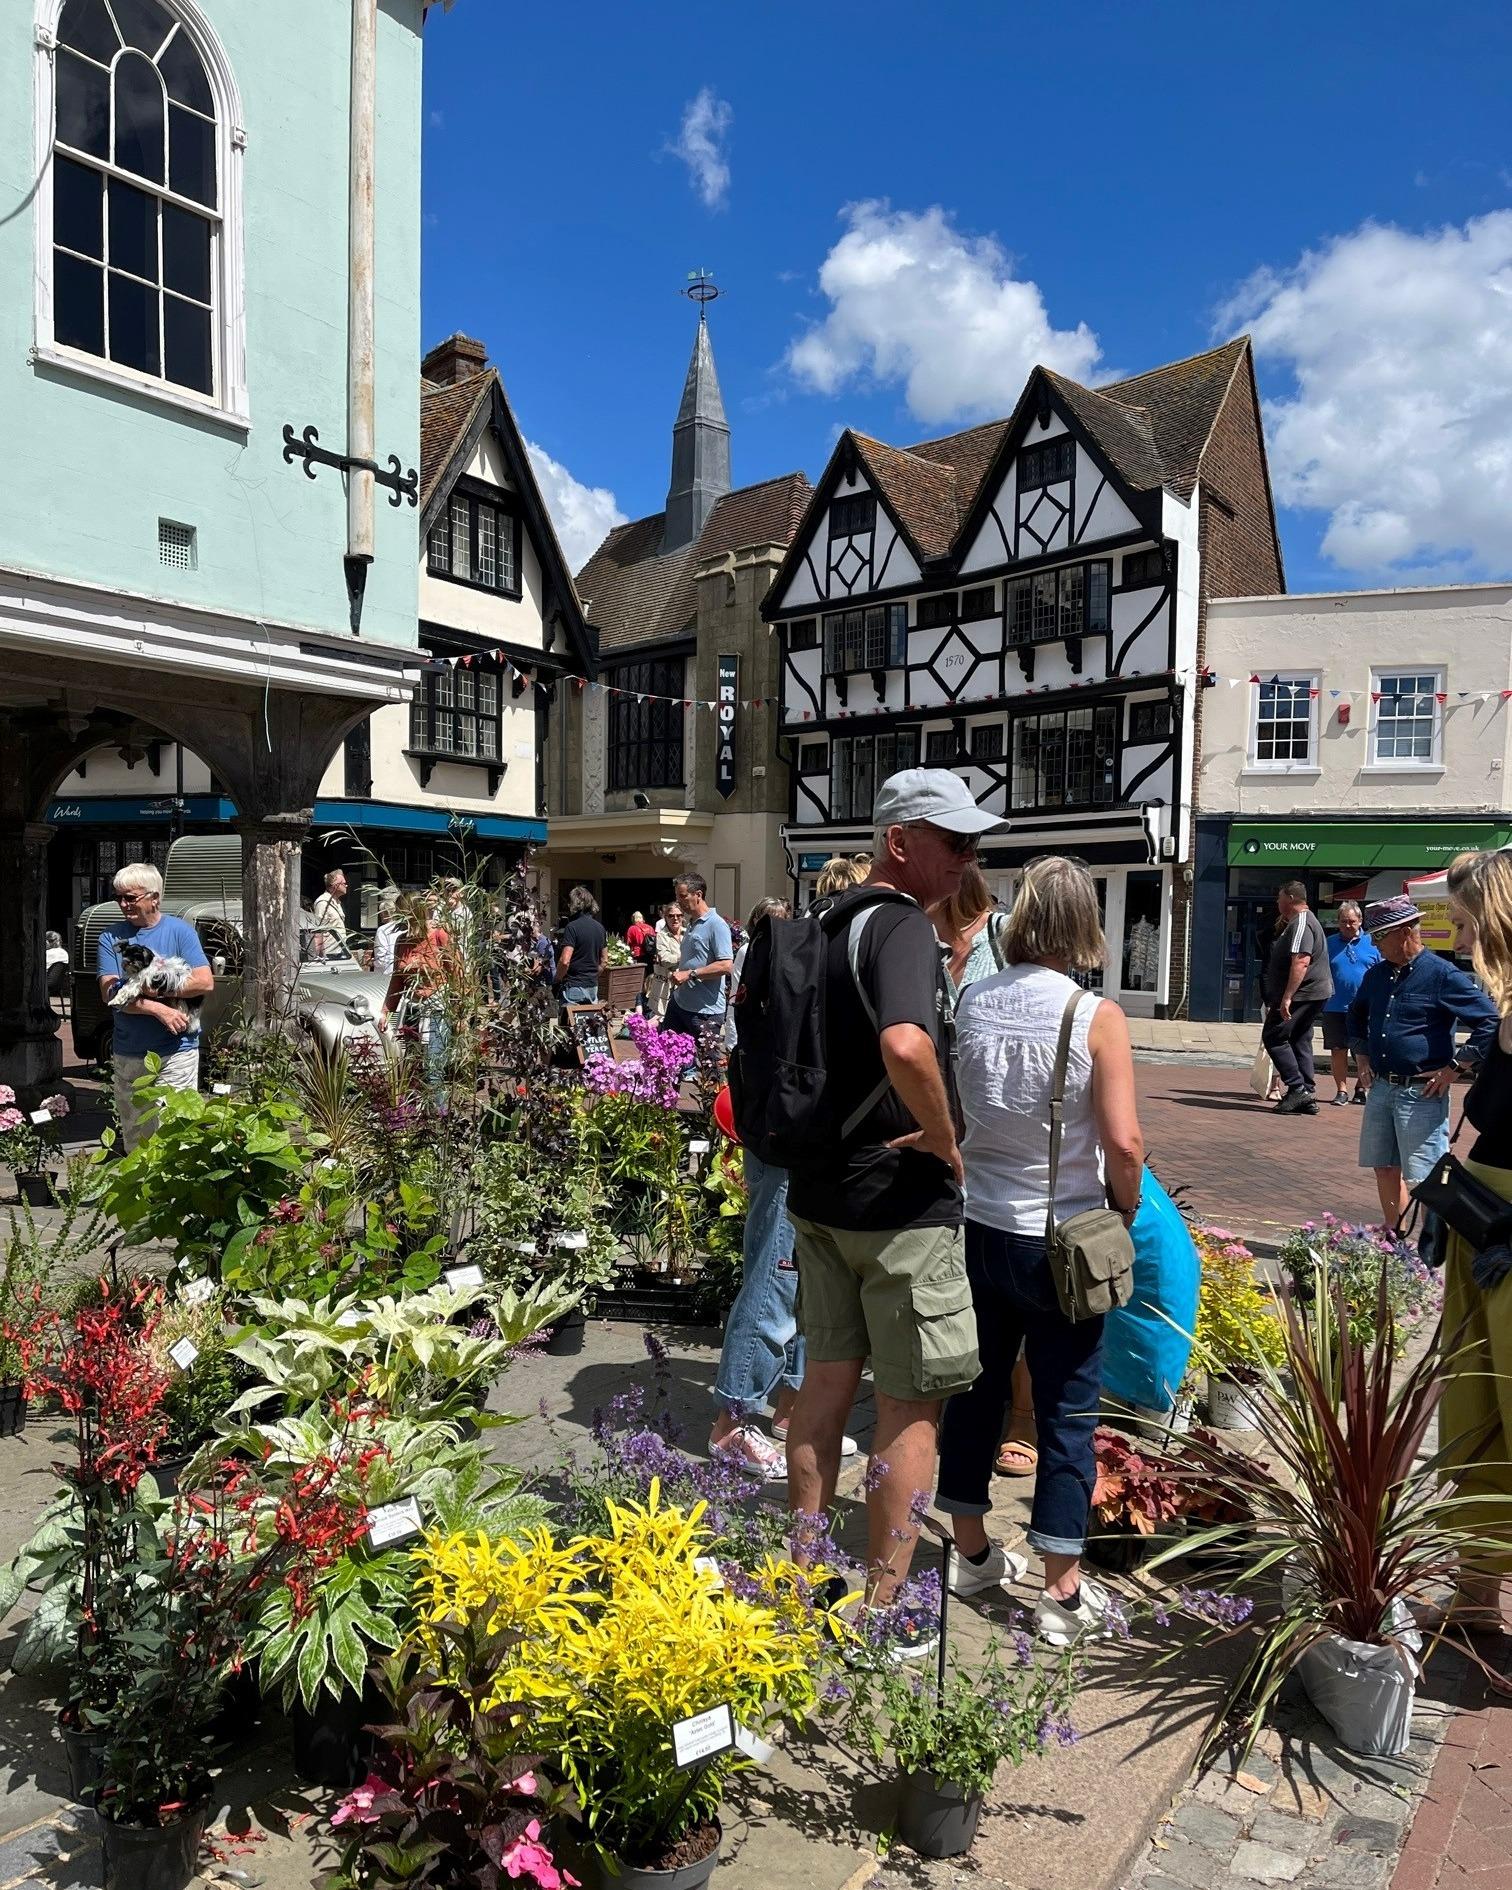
{"x":1488,"y":1108}
{"x":874,"y":1186}
{"x":586,"y":937}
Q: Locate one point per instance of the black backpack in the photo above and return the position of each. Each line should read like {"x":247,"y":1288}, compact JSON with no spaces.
{"x":784,"y":1113}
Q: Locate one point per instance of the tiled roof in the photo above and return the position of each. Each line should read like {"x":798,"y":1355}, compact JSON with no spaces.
{"x":1181,"y":402}
{"x":1123,"y":431}
{"x":922,"y":492}
{"x":446,"y":412}
{"x":633,"y":593}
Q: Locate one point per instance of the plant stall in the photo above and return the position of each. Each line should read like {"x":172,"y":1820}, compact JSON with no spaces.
{"x":1238,"y":1329}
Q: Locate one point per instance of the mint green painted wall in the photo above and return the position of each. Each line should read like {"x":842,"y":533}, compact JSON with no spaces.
{"x":89,"y":471}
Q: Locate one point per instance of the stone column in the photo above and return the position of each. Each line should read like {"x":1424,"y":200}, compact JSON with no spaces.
{"x":31,"y":1055}
{"x":270,"y":915}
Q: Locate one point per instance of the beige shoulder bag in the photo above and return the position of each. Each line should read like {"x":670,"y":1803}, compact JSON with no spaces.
{"x":1091,"y":1256}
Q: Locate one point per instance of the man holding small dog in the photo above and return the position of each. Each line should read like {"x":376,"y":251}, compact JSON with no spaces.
{"x":149,"y":1026}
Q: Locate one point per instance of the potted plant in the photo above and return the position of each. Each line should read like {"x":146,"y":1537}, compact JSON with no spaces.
{"x":624,"y":1636}
{"x":1357,"y":1262}
{"x":621,"y":979}
{"x":1237,"y":1323}
{"x":1355,"y":1518}
{"x":26,"y":1142}
{"x":1136,"y":1499}
{"x":17,"y":1285}
{"x":950,"y":1731}
{"x":189,"y":1348}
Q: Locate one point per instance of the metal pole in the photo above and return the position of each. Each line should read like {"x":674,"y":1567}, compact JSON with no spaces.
{"x":361,"y":369}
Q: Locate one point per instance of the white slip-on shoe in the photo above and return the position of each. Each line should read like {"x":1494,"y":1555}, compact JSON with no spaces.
{"x":1058,"y":1626}
{"x":1001,"y":1569}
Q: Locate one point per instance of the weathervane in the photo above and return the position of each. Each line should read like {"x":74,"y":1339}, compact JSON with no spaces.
{"x":702,"y":289}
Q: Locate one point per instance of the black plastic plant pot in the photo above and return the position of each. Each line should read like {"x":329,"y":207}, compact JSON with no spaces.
{"x":240,"y":1710}
{"x":618,"y":1875}
{"x":1119,"y":1548}
{"x":84,"y":1752}
{"x":37,"y":1189}
{"x":935,"y":1817}
{"x":152,"y":1857}
{"x":12,"y":1410}
{"x":330,"y":1747}
{"x":568,"y":1336}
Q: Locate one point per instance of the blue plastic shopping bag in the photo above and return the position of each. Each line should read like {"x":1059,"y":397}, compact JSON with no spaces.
{"x":1145,"y":1344}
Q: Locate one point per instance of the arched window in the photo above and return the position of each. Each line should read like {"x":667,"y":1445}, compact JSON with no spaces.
{"x":144,"y":249}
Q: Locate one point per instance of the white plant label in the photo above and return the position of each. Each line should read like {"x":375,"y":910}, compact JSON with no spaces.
{"x":523,"y":1246}
{"x":42,"y":1117}
{"x":220,"y":1089}
{"x":704,"y":1736}
{"x":394,"y":1522}
{"x":706,"y":1565}
{"x":183,"y":1352}
{"x":699,"y":1147}
{"x":458,"y":1277}
{"x":753,"y":1745}
{"x":572,"y":1243}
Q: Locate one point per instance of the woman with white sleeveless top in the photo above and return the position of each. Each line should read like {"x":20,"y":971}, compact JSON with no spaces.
{"x":1007,"y":1030}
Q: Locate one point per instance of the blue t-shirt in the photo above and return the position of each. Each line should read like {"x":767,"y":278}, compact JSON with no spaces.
{"x":1349,"y":961}
{"x":705,"y":941}
{"x":137,"y":1036}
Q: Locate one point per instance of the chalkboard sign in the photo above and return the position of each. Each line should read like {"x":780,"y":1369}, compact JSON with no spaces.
{"x":589,"y":1025}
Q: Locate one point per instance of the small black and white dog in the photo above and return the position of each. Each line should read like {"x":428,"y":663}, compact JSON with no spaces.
{"x":154,"y":977}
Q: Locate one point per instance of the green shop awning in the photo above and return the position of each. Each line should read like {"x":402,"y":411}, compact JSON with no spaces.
{"x":1407,"y":843}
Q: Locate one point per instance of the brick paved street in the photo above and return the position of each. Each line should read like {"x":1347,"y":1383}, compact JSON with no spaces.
{"x":1242,"y":1165}
{"x":1461,"y":1838}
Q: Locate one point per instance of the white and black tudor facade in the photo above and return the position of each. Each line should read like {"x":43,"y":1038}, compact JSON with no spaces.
{"x":1024,"y":603}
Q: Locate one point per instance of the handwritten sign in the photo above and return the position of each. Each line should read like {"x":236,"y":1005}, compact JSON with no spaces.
{"x":704,"y":1736}
{"x":459,"y":1277}
{"x":183,"y":1352}
{"x":394,"y":1522}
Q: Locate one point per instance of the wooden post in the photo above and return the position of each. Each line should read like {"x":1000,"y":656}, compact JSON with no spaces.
{"x":270,"y":915}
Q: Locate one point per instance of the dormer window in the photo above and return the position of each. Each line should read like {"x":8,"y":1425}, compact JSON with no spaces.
{"x":1044,"y":464}
{"x":851,"y":517}
{"x":476,"y":542}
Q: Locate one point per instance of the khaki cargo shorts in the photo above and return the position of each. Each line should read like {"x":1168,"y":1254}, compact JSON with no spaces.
{"x":897,"y":1295}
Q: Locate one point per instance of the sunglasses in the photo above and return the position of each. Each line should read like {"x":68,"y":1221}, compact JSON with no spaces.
{"x":132,"y":899}
{"x":961,"y":845}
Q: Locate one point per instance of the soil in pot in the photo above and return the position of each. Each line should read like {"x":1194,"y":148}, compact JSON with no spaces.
{"x":568,"y":1336}
{"x":687,"y":1865}
{"x":37,"y":1190}
{"x":935,"y":1817}
{"x":84,"y":1751}
{"x":12,"y":1410}
{"x":153,"y":1857}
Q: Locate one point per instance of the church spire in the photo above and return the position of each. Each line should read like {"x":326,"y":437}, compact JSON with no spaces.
{"x":700,"y":436}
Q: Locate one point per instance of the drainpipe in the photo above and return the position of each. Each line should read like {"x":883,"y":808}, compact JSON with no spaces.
{"x":361,"y":369}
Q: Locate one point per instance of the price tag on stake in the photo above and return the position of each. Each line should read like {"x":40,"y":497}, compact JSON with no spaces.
{"x":220,"y":1089}
{"x":458,"y":1277}
{"x":572,"y":1243}
{"x":704,"y":1736}
{"x":753,"y":1745}
{"x":394,"y":1522}
{"x":699,"y":1147}
{"x":42,"y":1117}
{"x":183,"y":1352}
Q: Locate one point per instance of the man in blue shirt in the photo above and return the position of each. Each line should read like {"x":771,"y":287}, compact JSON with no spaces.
{"x":162,"y":1027}
{"x":1350,"y":956}
{"x":1402,"y":1024}
{"x":697,"y":1002}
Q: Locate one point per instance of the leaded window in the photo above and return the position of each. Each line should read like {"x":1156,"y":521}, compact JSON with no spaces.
{"x":477,"y":542}
{"x":987,"y":741}
{"x":804,"y":635}
{"x":457,"y":712}
{"x":936,"y":610}
{"x":1044,"y":464}
{"x":942,"y":748}
{"x":646,"y":724}
{"x":1143,"y":567}
{"x":1407,"y":717}
{"x":873,"y":637}
{"x":1149,"y":721}
{"x":859,"y":764}
{"x":851,"y":516}
{"x":1066,"y":758}
{"x":136,"y":193}
{"x":1072,"y":601}
{"x":978,"y":603}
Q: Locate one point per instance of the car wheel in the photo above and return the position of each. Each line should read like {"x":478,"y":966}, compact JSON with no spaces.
{"x":104,"y":1049}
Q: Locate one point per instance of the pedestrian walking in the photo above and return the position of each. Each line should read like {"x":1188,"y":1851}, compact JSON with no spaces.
{"x":329,"y":915}
{"x":1015,"y":1054}
{"x":424,"y":962}
{"x":1350,"y":956}
{"x":667,"y":956}
{"x":1297,"y":985}
{"x":881,"y":1273}
{"x":167,"y":1027}
{"x":389,"y":929}
{"x":580,"y":949}
{"x":637,"y":934}
{"x":1402,"y":1027}
{"x":697,"y":1001}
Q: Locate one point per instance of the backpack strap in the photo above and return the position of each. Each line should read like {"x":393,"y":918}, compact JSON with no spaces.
{"x":855,"y":923}
{"x":996,"y":921}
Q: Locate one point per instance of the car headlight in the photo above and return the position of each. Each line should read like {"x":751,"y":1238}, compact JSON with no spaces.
{"x":358,"y":1010}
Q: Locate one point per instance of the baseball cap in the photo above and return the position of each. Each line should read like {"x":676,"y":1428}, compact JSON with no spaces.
{"x":932,"y":794}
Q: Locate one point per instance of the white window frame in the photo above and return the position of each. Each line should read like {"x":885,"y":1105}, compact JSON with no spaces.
{"x":1390,"y":765}
{"x":229,"y":404}
{"x":1311,"y":681}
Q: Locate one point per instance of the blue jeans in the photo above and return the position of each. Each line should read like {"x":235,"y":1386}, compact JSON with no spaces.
{"x":762,"y":1349}
{"x":1016,"y":1305}
{"x":580,"y":993}
{"x":1403,"y":1128}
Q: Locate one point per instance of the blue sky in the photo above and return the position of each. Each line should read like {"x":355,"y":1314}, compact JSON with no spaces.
{"x":910,"y":204}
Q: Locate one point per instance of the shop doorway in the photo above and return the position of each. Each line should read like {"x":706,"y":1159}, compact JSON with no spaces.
{"x":1249,"y":933}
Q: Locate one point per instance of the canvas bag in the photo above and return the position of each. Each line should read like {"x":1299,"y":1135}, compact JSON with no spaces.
{"x":1091,"y":1255}
{"x":1262,"y":1073}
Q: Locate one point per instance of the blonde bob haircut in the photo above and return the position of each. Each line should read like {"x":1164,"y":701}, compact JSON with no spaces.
{"x":1481,"y":883}
{"x":1055,"y":915}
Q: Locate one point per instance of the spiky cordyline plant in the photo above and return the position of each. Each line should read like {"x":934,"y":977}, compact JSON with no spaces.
{"x":1351,"y":1510}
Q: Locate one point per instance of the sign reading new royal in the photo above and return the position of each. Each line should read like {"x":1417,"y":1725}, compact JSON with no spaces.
{"x":724,"y":737}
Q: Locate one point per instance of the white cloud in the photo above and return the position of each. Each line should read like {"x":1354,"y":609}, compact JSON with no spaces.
{"x":700,"y":143}
{"x":1399,"y":424}
{"x":583,"y":515}
{"x":913,"y":299}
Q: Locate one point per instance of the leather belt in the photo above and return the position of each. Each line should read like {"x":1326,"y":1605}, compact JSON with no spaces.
{"x":1403,"y":1082}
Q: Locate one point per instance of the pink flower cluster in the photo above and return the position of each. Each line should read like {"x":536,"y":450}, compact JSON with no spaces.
{"x":657,"y":1077}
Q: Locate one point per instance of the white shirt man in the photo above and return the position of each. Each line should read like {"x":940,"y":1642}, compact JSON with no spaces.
{"x":330,"y":919}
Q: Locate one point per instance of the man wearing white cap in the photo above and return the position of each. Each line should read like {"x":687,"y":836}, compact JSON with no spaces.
{"x":881,"y":1264}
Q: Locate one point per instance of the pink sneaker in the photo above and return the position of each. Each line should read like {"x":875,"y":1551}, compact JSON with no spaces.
{"x":749,"y":1450}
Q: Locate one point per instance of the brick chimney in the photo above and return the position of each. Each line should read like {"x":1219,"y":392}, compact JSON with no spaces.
{"x":458,"y":358}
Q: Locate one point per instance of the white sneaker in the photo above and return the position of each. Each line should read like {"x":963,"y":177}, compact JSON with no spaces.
{"x":848,"y":1445}
{"x":1001,"y":1569}
{"x":747,"y":1449}
{"x":1058,"y":1625}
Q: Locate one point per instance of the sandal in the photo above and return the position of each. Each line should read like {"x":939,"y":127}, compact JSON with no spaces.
{"x":1016,"y":1459}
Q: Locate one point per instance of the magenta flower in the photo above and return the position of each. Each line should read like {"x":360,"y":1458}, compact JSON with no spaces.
{"x":357,"y":1806}
{"x":529,"y":1857}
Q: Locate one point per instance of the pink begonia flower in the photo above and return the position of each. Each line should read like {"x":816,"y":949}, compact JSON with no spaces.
{"x":7,"y":1094}
{"x":525,"y":1784}
{"x":528,"y":1856}
{"x":10,"y":1119}
{"x":357,"y":1806}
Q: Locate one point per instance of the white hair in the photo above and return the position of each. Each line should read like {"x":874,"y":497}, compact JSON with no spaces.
{"x":139,"y":877}
{"x":1350,"y":905}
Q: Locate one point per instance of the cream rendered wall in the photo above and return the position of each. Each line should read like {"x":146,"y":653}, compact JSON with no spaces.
{"x":1464,"y":630}
{"x":106,"y":773}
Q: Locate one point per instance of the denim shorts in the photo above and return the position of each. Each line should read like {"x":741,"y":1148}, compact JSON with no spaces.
{"x":1403,"y":1129}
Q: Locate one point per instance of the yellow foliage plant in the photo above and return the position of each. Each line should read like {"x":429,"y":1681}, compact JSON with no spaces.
{"x":621,"y":1635}
{"x":1238,"y":1322}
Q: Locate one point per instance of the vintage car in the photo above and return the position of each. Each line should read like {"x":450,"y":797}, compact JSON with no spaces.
{"x":334,"y":997}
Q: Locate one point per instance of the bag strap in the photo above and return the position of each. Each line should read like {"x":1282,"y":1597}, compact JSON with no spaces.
{"x":996,"y":921}
{"x":1057,"y":1103}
